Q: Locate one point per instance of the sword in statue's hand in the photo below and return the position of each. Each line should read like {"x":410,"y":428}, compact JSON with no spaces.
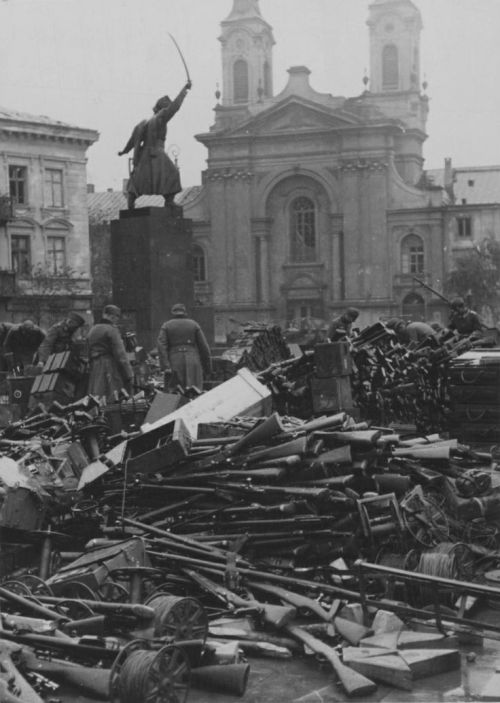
{"x":188,"y":82}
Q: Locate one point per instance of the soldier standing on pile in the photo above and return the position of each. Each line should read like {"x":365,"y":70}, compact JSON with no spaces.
{"x":341,"y":327}
{"x":462,"y":319}
{"x":110,"y":369}
{"x":183,"y":349}
{"x":21,"y":343}
{"x":60,"y":337}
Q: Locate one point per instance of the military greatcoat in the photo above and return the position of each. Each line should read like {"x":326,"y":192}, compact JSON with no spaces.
{"x":110,"y":369}
{"x":182,"y":346}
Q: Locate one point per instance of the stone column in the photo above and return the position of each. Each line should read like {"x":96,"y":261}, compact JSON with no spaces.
{"x":261,"y":228}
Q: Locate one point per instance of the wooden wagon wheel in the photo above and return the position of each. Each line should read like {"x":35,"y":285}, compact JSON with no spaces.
{"x":425,"y":520}
{"x":76,"y":589}
{"x":178,"y":618}
{"x":36,"y":585}
{"x":18,"y":587}
{"x":74,"y":610}
{"x":113,"y":592}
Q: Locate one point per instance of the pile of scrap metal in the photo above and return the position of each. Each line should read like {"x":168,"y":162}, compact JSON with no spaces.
{"x":390,"y":382}
{"x":256,"y":347}
{"x":224,"y":530}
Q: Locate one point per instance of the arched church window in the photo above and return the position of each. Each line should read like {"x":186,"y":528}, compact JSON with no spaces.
{"x":240,"y":81}
{"x":390,"y":67}
{"x":412,"y":254}
{"x":199,"y":264}
{"x":302,"y":230}
{"x":267,"y":80}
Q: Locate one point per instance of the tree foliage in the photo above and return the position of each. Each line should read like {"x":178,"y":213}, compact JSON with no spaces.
{"x":476,"y":275}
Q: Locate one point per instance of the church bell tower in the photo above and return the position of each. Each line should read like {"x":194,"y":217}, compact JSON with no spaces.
{"x":395,"y":27}
{"x":247,"y":56}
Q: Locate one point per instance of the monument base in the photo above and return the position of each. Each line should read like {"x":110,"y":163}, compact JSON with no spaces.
{"x":151,"y":267}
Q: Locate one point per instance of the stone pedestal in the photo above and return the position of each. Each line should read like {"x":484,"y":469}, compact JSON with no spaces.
{"x":151,"y":267}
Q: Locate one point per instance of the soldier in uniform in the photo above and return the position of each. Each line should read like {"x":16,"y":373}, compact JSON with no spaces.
{"x":462,"y":319}
{"x":183,"y":349}
{"x":60,"y":337}
{"x":340,"y":327}
{"x":110,"y":369}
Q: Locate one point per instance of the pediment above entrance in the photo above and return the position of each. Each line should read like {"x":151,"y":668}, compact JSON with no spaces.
{"x":295,"y":116}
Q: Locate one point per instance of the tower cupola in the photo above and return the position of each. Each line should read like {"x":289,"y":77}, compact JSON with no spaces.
{"x":395,"y":27}
{"x":247,"y":60}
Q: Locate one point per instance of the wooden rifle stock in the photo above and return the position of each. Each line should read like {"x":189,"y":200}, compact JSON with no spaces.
{"x":276,"y":615}
{"x":91,"y":680}
{"x":353,"y":683}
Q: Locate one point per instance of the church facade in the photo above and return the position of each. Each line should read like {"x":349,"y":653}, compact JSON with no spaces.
{"x":311,"y":202}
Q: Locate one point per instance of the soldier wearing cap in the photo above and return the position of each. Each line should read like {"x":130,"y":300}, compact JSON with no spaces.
{"x":462,"y":319}
{"x":183,"y":349}
{"x":60,"y":337}
{"x":341,"y":326}
{"x":110,"y":369}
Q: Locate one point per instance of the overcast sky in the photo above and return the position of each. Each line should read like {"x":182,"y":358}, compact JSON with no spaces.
{"x":103,"y":63}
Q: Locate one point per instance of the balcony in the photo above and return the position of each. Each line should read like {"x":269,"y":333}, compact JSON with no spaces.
{"x":407,"y":280}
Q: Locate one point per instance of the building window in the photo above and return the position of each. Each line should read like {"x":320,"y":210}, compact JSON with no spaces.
{"x":18,"y":184}
{"x":240,"y":81}
{"x":412,"y":254}
{"x":464,"y":227}
{"x":390,"y":67}
{"x":20,"y":247}
{"x":53,"y":187}
{"x":199,"y":264}
{"x":302,"y":230}
{"x":56,"y":255}
{"x":267,"y":80}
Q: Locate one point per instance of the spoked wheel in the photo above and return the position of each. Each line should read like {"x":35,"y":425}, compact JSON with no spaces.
{"x":165,"y":674}
{"x":425,"y":520}
{"x":74,"y":610}
{"x":36,"y":585}
{"x":17,"y":587}
{"x":179,"y":618}
{"x":113,"y":592}
{"x":76,"y":589}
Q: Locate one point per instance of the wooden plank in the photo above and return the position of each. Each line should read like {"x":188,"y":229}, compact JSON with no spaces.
{"x":350,"y":654}
{"x":387,"y":668}
{"x":491,"y":691}
{"x":428,"y":662}
{"x":387,"y":640}
{"x":408,"y":639}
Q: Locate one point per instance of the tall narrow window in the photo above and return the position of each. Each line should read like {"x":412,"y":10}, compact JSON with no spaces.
{"x":56,"y":254}
{"x":390,"y":67}
{"x":464,"y":227}
{"x":267,"y":80}
{"x":412,"y":254}
{"x":20,"y":247}
{"x":54,"y":187}
{"x":240,"y":81}
{"x":302,"y":230}
{"x":17,"y":184}
{"x":199,"y":264}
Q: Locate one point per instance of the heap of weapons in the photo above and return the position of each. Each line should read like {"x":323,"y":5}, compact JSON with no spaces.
{"x":257,"y":347}
{"x":250,"y":544}
{"x":392,"y":383}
